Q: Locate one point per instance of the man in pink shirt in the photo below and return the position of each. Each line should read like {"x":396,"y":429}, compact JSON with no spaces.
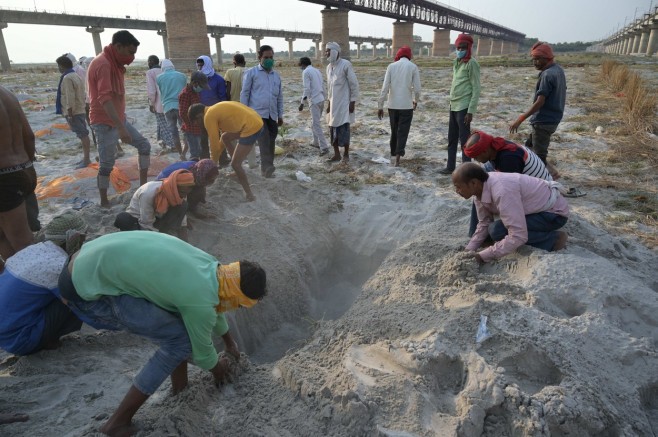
{"x":107,"y":109}
{"x":530,"y":209}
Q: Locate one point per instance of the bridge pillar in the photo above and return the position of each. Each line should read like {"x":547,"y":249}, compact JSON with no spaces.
{"x":218,"y":46}
{"x":644,"y":41}
{"x":652,"y":44}
{"x":163,"y":33}
{"x":496,"y":46}
{"x":358,"y":49}
{"x":317,"y":48}
{"x":290,"y":40}
{"x":374,"y":49}
{"x":335,"y":28}
{"x":388,"y":50}
{"x":5,"y":65}
{"x":186,"y":32}
{"x":484,"y":47}
{"x":506,"y":47}
{"x":441,"y":42}
{"x":636,"y":42}
{"x":629,"y":43}
{"x":258,"y":40}
{"x":403,"y":35}
{"x":96,"y":36}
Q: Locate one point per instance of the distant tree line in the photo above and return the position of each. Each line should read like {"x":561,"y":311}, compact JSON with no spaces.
{"x":578,"y":46}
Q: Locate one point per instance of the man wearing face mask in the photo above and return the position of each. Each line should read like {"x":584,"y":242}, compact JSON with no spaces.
{"x":261,"y":91}
{"x":464,"y":96}
{"x":343,"y":91}
{"x":107,"y":109}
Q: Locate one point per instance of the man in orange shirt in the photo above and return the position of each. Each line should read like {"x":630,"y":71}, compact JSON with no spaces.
{"x":107,"y":109}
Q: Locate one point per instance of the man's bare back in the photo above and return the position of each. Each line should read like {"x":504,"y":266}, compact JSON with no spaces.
{"x":16,"y":136}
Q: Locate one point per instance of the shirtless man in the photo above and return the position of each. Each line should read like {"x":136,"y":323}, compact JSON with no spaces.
{"x":17,"y":176}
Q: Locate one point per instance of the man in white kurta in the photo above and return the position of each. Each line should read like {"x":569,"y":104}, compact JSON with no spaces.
{"x":343,"y":91}
{"x":314,"y":94}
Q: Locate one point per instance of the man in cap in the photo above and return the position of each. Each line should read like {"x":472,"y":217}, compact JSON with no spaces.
{"x":343,"y":92}
{"x":179,"y":306}
{"x":192,"y":132}
{"x":531,"y":211}
{"x":548,"y":104}
{"x":107,"y":109}
{"x":314,"y":95}
{"x":402,"y":87}
{"x":32,"y":317}
{"x":464,"y":97}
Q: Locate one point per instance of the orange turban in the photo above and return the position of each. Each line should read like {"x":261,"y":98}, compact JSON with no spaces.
{"x":487,"y":141}
{"x":168,"y":196}
{"x":542,"y":50}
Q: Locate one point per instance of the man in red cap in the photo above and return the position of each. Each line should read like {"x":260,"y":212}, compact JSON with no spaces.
{"x":548,"y":105}
{"x":464,"y":96}
{"x":402,"y":87}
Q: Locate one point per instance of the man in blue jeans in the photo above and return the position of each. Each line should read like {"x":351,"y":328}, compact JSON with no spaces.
{"x":161,"y":288}
{"x":531,"y":211}
{"x":464,"y":97}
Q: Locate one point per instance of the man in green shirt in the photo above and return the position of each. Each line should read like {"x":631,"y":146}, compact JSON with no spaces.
{"x":464,"y":96}
{"x":161,"y":288}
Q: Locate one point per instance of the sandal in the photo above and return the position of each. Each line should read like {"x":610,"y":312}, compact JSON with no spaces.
{"x":574,"y":192}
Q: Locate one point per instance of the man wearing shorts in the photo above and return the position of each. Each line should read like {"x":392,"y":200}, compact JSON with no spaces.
{"x":71,"y":103}
{"x":18,"y":206}
{"x":235,"y":121}
{"x":107,"y":110}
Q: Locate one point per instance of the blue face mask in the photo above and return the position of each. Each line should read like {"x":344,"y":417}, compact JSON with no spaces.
{"x":461,"y":53}
{"x":197,"y":89}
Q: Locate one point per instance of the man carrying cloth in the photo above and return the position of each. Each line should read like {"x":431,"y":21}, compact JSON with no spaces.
{"x":161,"y":288}
{"x":530,"y":209}
{"x":225,"y":122}
{"x":107,"y":109}
{"x":548,"y":106}
{"x":498,"y":154}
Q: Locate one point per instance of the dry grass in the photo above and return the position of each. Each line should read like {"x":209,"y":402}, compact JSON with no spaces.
{"x":640,"y":100}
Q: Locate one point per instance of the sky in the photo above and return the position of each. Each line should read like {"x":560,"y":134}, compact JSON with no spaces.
{"x":553,"y":21}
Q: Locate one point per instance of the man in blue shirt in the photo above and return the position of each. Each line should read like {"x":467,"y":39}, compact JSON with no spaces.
{"x":261,"y":91}
{"x":171,"y":83}
{"x":548,"y":106}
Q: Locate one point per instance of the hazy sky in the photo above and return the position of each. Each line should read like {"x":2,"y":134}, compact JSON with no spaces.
{"x":552,"y":21}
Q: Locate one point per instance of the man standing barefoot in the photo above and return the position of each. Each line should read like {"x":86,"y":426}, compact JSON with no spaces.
{"x":107,"y":110}
{"x":17,"y":176}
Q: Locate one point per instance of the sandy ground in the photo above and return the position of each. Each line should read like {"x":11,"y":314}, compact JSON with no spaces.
{"x":370,"y":324}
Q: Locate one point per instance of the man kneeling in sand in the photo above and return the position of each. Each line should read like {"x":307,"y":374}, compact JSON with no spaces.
{"x":226,"y":122}
{"x":531,"y":210}
{"x":161,"y":288}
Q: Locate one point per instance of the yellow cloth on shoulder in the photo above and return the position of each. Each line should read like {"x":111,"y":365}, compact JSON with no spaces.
{"x":230,"y":294}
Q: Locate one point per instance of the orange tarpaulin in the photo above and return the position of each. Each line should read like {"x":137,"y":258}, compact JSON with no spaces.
{"x":42,"y":132}
{"x":124,"y":171}
{"x":60,"y":126}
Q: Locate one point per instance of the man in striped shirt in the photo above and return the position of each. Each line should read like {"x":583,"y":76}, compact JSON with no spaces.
{"x":501,"y":155}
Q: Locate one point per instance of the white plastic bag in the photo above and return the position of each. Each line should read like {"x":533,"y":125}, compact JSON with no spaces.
{"x":483,"y":332}
{"x":301,"y":177}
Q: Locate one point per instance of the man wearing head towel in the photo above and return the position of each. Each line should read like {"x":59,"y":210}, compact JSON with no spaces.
{"x":343,"y":91}
{"x":548,"y":105}
{"x":464,"y":96}
{"x":161,"y":288}
{"x":402,"y":87}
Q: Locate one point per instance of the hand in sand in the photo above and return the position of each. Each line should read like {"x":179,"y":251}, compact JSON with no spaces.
{"x":471,"y":254}
{"x":221,"y":372}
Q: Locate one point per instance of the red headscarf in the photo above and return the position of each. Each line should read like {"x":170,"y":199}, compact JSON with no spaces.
{"x":168,"y":196}
{"x":487,"y":141}
{"x":542,"y":49}
{"x":404,"y":52}
{"x":117,"y":63}
{"x":468,"y":39}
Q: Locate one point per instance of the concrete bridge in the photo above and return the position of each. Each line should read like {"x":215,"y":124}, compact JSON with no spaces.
{"x":640,"y":37}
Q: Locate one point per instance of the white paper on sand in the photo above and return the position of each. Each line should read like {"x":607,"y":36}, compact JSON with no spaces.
{"x":381,"y":160}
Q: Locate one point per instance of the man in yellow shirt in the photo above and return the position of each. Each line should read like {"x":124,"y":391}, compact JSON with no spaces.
{"x":225,"y":122}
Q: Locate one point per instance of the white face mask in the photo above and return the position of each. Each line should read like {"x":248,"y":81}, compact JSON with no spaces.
{"x":333,"y":55}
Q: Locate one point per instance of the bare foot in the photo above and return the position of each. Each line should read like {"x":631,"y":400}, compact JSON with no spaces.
{"x":561,"y":241}
{"x":397,"y":160}
{"x":119,"y":431}
{"x":334,"y":158}
{"x":106,"y":205}
{"x":250,"y":197}
{"x":13,"y":417}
